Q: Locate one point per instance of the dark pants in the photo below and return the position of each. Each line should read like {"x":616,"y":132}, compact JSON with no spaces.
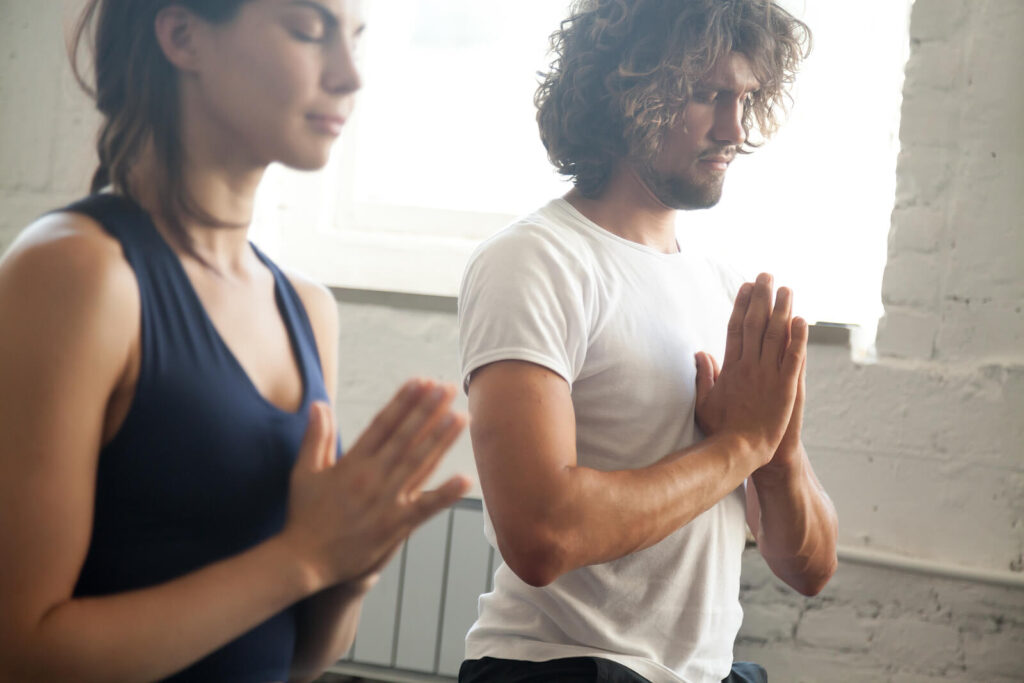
{"x":577,"y":670}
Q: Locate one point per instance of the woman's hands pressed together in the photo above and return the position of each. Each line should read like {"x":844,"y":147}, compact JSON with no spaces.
{"x":347,"y":516}
{"x":757,"y":395}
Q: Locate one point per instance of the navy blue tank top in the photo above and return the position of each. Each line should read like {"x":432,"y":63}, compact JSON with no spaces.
{"x":200,"y":468}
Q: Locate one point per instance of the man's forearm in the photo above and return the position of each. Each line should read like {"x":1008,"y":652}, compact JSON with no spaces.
{"x":797,"y":526}
{"x":600,"y":516}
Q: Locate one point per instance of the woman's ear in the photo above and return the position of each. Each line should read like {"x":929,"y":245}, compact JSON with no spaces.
{"x":177,"y":33}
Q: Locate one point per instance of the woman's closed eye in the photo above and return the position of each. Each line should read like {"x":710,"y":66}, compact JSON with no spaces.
{"x":309,"y":32}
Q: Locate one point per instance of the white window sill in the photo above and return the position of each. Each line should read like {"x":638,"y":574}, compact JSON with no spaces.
{"x":387,"y":262}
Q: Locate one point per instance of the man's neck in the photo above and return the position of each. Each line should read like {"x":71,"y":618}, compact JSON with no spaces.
{"x":628,"y":209}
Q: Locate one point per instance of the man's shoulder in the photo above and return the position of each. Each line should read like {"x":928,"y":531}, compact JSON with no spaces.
{"x":538,"y":236}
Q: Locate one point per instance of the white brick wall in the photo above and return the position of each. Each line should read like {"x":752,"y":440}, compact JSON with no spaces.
{"x":922,"y":450}
{"x":47,"y":126}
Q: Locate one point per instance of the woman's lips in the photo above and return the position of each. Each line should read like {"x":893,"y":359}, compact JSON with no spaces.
{"x":329,"y":124}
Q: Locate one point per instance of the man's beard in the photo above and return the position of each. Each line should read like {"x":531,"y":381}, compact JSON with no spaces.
{"x":679,"y":192}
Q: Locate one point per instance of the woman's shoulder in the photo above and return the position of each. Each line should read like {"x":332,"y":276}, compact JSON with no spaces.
{"x":317,"y":299}
{"x":322,"y":311}
{"x":68,"y":237}
{"x":67,"y":259}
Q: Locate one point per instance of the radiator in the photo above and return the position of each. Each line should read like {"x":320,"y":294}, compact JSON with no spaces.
{"x":415,"y":619}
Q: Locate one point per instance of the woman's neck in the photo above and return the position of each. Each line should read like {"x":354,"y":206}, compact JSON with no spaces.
{"x":224,"y":194}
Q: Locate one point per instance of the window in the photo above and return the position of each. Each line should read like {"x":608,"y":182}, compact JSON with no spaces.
{"x":443,"y":150}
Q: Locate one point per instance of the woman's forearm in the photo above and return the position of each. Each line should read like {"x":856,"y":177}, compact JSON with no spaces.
{"x":153,"y":632}
{"x":327,"y":627}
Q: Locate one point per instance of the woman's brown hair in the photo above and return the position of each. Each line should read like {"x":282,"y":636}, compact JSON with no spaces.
{"x":624,"y":70}
{"x":136,"y":90}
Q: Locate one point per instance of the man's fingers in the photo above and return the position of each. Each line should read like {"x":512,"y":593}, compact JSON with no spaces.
{"x":777,"y":332}
{"x":389,"y":417}
{"x":717,"y":370}
{"x":756,"y":319}
{"x":801,"y":391}
{"x":706,"y":375}
{"x":796,"y":352}
{"x":734,"y":332}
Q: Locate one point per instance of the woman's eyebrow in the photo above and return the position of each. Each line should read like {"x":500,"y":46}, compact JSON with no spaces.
{"x":327,"y":16}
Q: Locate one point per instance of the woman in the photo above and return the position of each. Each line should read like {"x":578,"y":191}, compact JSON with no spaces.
{"x":171,"y":506}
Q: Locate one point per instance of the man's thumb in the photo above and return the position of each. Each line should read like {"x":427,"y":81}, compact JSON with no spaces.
{"x":705,"y":375}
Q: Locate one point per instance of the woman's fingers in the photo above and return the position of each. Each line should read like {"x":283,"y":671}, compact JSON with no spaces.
{"x":389,"y":417}
{"x":429,"y":503}
{"x":416,"y":424}
{"x":318,"y":441}
{"x":756,"y":319}
{"x":734,"y":332}
{"x":411,"y":472}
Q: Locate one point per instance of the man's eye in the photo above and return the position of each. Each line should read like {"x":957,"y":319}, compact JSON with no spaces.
{"x":705,"y":96}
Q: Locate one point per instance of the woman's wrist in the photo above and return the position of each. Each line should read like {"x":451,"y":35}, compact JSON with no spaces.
{"x":300,"y":571}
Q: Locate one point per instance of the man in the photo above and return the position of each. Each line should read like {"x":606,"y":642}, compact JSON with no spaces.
{"x":620,"y":521}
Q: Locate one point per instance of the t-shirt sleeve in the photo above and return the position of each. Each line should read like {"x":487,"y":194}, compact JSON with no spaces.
{"x":522,"y":298}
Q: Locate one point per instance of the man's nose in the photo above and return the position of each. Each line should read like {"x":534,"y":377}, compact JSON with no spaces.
{"x":728,"y":126}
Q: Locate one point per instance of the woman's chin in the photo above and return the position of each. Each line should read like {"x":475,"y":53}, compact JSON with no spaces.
{"x":311,"y":158}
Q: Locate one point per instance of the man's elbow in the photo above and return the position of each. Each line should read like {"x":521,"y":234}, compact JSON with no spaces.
{"x":811,"y":583}
{"x":537,"y":560}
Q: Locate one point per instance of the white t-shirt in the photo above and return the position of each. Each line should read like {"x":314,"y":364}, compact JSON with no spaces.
{"x":621,"y":323}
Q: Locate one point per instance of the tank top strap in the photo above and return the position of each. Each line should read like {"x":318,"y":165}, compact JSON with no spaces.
{"x":175,"y":328}
{"x":123,"y":219}
{"x":294,"y":313}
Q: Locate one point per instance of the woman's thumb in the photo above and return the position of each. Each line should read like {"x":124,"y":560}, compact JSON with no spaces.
{"x":314,"y":453}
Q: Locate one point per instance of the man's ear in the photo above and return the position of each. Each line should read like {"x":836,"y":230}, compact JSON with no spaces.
{"x":177,"y":31}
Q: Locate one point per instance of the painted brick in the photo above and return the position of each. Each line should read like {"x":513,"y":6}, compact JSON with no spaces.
{"x":924,"y":173}
{"x":834,"y":628}
{"x":913,"y":279}
{"x":795,"y":664}
{"x":989,"y":331}
{"x":933,"y":65}
{"x":917,"y":229}
{"x":937,"y":20}
{"x":907,"y":333}
{"x":768,"y":622}
{"x":31,"y":46}
{"x":919,"y":645}
{"x":996,"y":654}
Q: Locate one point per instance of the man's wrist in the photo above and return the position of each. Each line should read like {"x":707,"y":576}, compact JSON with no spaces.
{"x":784,"y":472}
{"x":743,"y":455}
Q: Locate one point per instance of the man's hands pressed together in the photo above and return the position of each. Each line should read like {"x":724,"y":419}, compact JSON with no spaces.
{"x":754,"y":394}
{"x":552,"y":515}
{"x":788,"y":510}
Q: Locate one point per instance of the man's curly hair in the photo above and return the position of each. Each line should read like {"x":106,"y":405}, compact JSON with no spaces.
{"x":623,"y":71}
